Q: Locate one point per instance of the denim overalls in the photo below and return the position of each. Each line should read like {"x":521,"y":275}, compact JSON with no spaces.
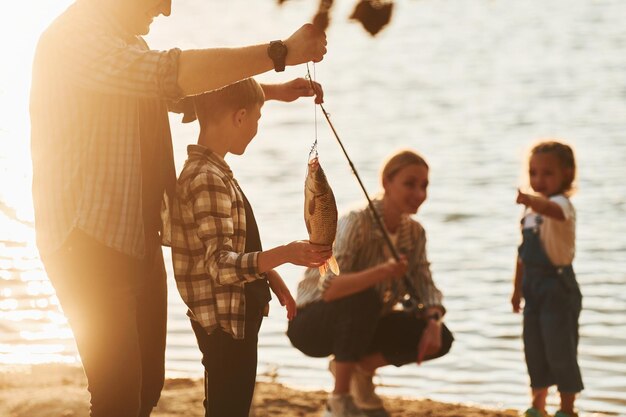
{"x":551,"y":311}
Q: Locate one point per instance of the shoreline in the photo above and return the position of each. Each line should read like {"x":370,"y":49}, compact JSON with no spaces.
{"x":60,"y":390}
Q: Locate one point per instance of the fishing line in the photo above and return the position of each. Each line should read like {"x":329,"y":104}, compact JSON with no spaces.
{"x":314,"y":146}
{"x":412,"y":300}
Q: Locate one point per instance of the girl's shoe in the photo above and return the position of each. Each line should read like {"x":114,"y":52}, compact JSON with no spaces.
{"x":534,"y":412}
{"x":564,"y":414}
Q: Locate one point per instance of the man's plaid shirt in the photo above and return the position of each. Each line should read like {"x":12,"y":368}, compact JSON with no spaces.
{"x":208,"y":239}
{"x":90,"y":78}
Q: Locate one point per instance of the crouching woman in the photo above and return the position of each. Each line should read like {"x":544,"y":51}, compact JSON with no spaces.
{"x":358,"y":316}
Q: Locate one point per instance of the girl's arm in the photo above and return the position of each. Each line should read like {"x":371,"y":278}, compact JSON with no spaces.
{"x":516,"y":298}
{"x":541,"y":205}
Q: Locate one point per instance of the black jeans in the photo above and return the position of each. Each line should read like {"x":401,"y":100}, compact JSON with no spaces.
{"x":117,"y":309}
{"x":352,"y":327}
{"x":230,"y":366}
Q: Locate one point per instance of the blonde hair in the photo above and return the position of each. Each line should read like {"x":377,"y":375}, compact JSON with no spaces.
{"x":565,"y":155}
{"x":399,"y":160}
{"x":212,"y":105}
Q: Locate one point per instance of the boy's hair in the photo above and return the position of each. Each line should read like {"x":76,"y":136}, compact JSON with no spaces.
{"x":399,"y":160}
{"x":565,"y":155}
{"x":212,"y":105}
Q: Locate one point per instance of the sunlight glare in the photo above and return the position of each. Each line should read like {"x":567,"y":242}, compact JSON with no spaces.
{"x":50,"y":333}
{"x":36,"y":274}
{"x":7,"y":305}
{"x":35,"y":288}
{"x":35,"y":354}
{"x":19,"y":31}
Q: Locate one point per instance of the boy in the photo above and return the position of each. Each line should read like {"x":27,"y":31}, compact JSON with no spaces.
{"x":222,"y":273}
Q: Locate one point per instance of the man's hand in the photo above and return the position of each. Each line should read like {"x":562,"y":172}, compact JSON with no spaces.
{"x":278,"y":287}
{"x":306,"y":44}
{"x":293,"y":90}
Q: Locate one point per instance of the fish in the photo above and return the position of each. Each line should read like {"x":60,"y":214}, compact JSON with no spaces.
{"x":320,"y":212}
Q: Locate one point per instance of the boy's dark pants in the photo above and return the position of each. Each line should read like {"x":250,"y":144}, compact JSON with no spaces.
{"x":117,"y":309}
{"x":230,"y":366}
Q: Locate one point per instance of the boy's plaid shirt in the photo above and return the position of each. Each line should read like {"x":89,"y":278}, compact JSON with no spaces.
{"x":208,"y":239}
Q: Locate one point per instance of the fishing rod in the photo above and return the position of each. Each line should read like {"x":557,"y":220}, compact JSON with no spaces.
{"x":412,"y":301}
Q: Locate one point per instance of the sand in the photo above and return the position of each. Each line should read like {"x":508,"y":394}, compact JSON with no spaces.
{"x":60,"y":391}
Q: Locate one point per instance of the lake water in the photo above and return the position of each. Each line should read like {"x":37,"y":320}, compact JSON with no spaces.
{"x":468,"y":83}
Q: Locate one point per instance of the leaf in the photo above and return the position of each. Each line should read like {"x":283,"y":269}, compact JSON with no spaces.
{"x":373,"y":14}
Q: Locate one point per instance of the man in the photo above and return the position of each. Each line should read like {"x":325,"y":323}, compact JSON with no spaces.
{"x":102,"y":157}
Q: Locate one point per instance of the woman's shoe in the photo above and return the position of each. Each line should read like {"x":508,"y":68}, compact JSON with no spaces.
{"x":362,"y":389}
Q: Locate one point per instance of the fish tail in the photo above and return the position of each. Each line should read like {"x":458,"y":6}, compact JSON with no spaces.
{"x":332,"y":264}
{"x":329,"y":265}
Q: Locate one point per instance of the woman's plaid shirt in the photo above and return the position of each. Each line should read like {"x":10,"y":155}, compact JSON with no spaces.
{"x":360,"y":245}
{"x":208,"y":239}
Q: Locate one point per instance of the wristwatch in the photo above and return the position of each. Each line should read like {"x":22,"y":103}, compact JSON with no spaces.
{"x":277,"y":51}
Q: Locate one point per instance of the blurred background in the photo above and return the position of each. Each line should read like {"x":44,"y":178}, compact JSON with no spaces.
{"x":470,"y":84}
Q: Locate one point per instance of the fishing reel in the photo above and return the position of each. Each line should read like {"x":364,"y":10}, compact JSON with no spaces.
{"x":412,"y":305}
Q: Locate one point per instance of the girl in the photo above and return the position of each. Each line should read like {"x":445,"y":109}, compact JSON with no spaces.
{"x":354,"y":315}
{"x":545,"y":279}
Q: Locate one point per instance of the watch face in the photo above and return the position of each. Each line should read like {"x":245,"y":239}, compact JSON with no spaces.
{"x":278,"y":50}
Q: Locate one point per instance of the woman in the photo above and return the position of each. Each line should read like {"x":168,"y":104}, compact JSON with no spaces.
{"x":357,"y":316}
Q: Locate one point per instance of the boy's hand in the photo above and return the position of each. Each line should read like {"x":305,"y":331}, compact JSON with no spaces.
{"x":516,"y":300}
{"x":303,"y":253}
{"x":293,"y":90}
{"x":283,"y":294}
{"x":306,"y":44}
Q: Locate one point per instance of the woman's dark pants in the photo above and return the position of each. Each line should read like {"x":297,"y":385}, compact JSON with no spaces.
{"x":351,"y":328}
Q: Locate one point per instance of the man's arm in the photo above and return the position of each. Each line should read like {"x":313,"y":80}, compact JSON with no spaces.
{"x":201,"y":70}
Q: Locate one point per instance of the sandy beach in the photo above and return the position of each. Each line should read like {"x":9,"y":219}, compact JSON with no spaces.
{"x":60,"y":391}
